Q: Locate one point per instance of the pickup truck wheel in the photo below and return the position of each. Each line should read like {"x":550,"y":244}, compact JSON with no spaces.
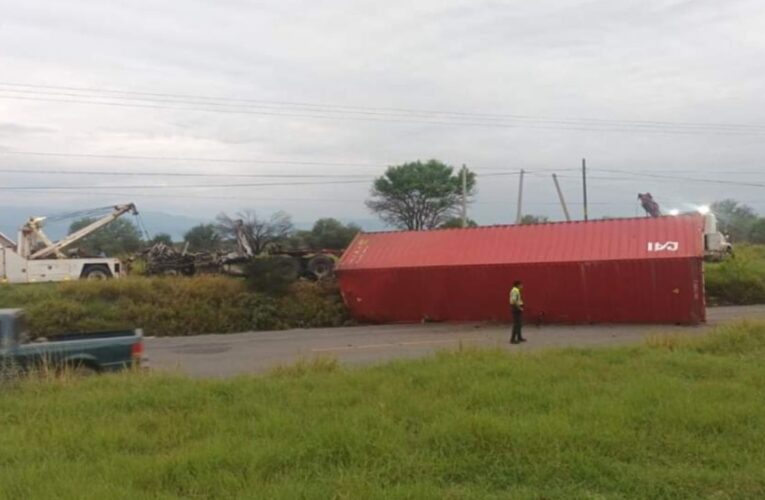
{"x":96,"y":273}
{"x":80,"y":370}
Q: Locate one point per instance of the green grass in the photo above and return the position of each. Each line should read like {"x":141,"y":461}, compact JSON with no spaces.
{"x":740,"y":280}
{"x":675,"y":418}
{"x":167,"y":306}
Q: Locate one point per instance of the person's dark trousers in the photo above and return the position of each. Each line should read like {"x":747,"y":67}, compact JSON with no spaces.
{"x":517,"y":325}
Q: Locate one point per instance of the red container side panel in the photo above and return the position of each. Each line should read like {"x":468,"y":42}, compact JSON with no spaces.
{"x":619,"y":239}
{"x":633,"y":291}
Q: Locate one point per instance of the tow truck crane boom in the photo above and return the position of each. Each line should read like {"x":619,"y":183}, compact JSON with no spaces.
{"x":32,"y":232}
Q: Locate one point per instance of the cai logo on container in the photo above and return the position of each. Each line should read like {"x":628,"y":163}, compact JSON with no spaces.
{"x":667,"y":246}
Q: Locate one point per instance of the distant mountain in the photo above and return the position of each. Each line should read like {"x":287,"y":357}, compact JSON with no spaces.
{"x":174,"y":225}
{"x":155,"y":222}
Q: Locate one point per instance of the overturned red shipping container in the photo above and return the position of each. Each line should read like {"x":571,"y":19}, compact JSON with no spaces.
{"x":642,"y":270}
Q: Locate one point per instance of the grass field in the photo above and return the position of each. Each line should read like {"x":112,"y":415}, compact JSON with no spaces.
{"x":676,"y":418}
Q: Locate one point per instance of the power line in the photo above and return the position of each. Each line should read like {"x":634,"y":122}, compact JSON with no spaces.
{"x":591,"y":126}
{"x":488,"y":171}
{"x":214,"y":100}
{"x":625,"y":177}
{"x":280,"y":199}
{"x":686,"y":179}
{"x":191,"y":159}
{"x":173,"y":174}
{"x":176,"y":186}
{"x":196,"y":197}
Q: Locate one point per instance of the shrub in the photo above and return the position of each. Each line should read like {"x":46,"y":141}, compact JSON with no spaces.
{"x":740,"y":280}
{"x":272,"y":275}
{"x":173,"y":306}
{"x":314,"y":305}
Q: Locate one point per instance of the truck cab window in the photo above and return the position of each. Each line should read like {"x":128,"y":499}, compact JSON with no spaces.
{"x":22,"y":329}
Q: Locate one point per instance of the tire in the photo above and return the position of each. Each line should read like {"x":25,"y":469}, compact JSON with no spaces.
{"x":98,"y":272}
{"x":321,"y":266}
{"x":287,"y":266}
{"x":170,"y":272}
{"x":79,"y":370}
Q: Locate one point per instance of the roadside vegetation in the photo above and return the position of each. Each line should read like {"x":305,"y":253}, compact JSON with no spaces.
{"x":166,"y":306}
{"x":675,"y":418}
{"x":740,"y":280}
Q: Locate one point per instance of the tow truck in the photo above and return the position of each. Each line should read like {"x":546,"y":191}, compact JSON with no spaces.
{"x":35,"y":258}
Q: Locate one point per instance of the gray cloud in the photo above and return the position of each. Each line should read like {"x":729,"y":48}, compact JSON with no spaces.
{"x":657,"y":60}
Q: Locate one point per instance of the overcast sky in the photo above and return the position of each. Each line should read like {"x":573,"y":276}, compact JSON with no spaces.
{"x":667,"y":88}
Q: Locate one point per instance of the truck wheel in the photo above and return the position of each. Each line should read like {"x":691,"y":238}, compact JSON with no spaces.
{"x":321,"y":266}
{"x":79,"y":370}
{"x":96,"y":273}
{"x":287,"y":266}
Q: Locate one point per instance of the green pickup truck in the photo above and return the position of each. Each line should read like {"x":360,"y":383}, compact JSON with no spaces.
{"x":83,"y":352}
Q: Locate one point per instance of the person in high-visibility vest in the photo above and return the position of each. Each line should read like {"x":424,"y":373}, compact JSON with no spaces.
{"x":516,"y":304}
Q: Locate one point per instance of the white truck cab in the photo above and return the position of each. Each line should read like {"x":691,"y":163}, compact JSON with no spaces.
{"x":716,"y":245}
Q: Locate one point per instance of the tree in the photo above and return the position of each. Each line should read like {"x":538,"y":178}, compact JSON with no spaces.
{"x":202,"y":238}
{"x":456,"y":222}
{"x":419,"y":195}
{"x":735,"y":219}
{"x":260,"y":233}
{"x":757,"y":232}
{"x":118,"y":237}
{"x":534,"y":219}
{"x":161,"y":238}
{"x":331,"y":233}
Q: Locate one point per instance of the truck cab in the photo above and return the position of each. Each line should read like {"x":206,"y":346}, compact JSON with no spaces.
{"x":716,"y":244}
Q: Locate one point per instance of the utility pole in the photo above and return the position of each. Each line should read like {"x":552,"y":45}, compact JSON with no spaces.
{"x":560,"y":197}
{"x":584,"y":187}
{"x":519,"y":214}
{"x":464,"y":196}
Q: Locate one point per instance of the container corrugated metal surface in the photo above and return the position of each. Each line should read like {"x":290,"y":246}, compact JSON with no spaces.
{"x":616,"y":271}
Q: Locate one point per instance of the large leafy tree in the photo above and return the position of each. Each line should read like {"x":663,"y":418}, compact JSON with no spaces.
{"x":331,"y":233}
{"x":735,"y":219}
{"x":419,"y":195}
{"x":261,"y":233}
{"x":120,"y":236}
{"x":202,"y":238}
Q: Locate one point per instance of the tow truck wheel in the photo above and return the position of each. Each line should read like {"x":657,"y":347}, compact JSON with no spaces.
{"x":96,"y":273}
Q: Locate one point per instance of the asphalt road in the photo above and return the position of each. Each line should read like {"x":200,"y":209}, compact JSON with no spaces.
{"x":254,"y":352}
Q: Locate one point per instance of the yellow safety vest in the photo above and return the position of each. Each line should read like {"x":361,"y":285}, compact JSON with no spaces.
{"x":515,"y":297}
